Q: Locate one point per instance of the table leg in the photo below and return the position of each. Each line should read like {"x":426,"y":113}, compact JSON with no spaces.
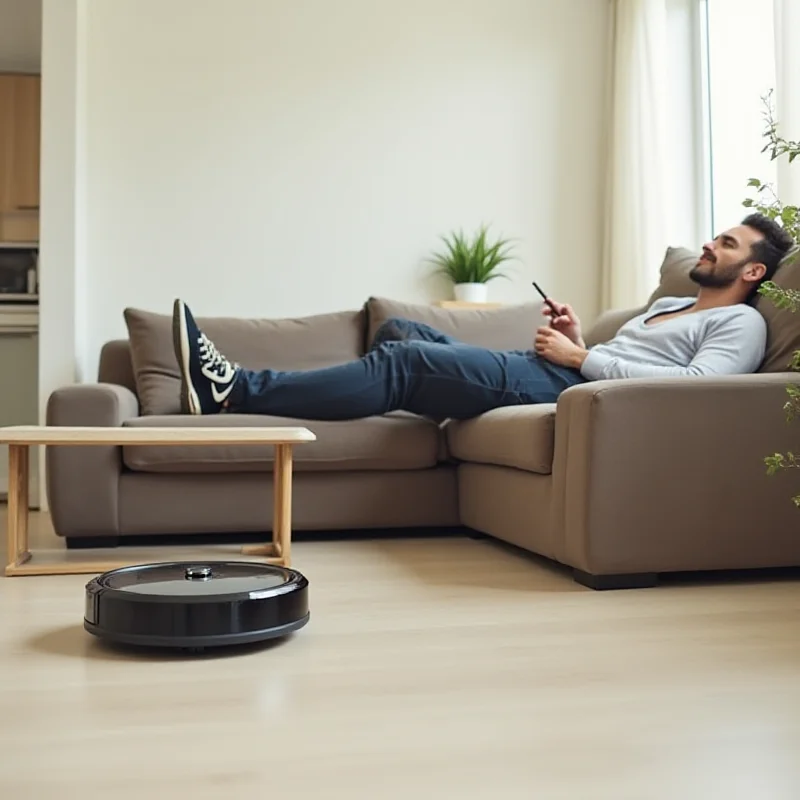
{"x":18,"y":547}
{"x":281,"y":547}
{"x":282,"y":513}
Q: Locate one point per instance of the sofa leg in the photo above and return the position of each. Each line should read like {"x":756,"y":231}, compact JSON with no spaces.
{"x":90,"y":542}
{"x":635,"y":580}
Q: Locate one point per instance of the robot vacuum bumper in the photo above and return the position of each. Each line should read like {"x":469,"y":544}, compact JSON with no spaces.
{"x":196,"y":605}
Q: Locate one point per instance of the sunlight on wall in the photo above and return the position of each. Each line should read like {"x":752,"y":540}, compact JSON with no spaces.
{"x":741,"y":66}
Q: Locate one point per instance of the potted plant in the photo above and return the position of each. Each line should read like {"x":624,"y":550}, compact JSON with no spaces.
{"x":471,"y":264}
{"x":767,"y":203}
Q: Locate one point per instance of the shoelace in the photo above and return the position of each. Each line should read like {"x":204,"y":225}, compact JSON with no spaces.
{"x":210,"y":355}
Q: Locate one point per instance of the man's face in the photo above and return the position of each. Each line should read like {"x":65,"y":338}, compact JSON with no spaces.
{"x":728,"y":259}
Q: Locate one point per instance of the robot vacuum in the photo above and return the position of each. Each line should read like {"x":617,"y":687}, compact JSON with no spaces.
{"x":194,"y":605}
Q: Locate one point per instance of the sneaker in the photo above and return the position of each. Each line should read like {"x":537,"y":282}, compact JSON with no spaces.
{"x":207,"y":377}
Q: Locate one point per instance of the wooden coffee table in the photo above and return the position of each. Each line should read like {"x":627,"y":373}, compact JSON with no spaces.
{"x":20,"y":438}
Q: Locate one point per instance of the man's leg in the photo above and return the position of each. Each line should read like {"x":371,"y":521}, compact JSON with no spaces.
{"x":398,"y":329}
{"x":426,"y":378}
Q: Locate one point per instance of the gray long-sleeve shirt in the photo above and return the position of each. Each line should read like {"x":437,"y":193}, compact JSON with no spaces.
{"x":718,"y":341}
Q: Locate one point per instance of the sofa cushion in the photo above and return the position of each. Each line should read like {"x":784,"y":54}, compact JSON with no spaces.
{"x":391,"y":442}
{"x":302,"y":343}
{"x":504,"y":328}
{"x":674,"y":275}
{"x":783,"y":326}
{"x":514,"y":436}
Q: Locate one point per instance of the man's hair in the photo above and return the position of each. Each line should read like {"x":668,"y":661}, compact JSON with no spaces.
{"x":770,"y":250}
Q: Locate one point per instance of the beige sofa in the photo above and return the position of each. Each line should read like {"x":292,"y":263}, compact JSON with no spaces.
{"x":620,"y":480}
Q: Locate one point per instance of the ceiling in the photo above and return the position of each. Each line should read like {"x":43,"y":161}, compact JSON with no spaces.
{"x":21,"y":35}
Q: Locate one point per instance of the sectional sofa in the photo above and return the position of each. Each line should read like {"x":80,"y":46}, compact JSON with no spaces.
{"x":619,"y":480}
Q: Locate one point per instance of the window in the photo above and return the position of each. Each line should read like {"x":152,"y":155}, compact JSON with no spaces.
{"x":739,"y":44}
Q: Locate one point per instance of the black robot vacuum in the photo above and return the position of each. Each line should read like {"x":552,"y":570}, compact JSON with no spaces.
{"x":193,"y":606}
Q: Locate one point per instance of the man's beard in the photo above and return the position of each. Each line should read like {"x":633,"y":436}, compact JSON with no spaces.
{"x":716,"y":278}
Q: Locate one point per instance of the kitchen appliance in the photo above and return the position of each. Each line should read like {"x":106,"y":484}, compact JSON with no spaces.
{"x":19,"y":351}
{"x":19,"y":274}
{"x":194,"y":605}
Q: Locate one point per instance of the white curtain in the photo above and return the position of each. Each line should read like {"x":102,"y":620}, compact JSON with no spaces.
{"x":787,"y":93}
{"x":635,"y":214}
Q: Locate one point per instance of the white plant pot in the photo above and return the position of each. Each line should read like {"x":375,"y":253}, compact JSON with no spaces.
{"x":471,"y":292}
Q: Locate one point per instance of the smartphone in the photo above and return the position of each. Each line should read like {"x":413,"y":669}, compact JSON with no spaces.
{"x":549,"y":302}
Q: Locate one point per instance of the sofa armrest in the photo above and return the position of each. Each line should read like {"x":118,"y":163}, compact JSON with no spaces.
{"x":83,"y":482}
{"x":668,"y":474}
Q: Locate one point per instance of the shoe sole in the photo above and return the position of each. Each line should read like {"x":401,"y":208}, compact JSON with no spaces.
{"x":190,"y":402}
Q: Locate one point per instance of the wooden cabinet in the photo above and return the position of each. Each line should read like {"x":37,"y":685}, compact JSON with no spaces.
{"x":19,"y":355}
{"x":20,"y":134}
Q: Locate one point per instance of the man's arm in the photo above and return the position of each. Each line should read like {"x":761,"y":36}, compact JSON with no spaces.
{"x":735,"y":347}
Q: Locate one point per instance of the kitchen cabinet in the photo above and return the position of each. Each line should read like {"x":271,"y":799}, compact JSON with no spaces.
{"x":19,"y":401}
{"x":20,"y":156}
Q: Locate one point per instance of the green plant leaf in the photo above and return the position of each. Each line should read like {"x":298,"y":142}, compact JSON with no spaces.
{"x":786,"y":299}
{"x":472,"y":261}
{"x":788,"y":216}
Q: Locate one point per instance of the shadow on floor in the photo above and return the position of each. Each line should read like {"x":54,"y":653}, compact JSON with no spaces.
{"x":535,"y":573}
{"x":206,"y":539}
{"x":74,"y":642}
{"x":737,"y":576}
{"x":521,"y":570}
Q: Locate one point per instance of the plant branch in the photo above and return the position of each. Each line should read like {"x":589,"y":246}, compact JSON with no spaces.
{"x":768,"y":203}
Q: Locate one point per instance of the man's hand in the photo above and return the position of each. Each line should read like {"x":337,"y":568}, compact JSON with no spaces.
{"x":565,"y":321}
{"x":559,"y":349}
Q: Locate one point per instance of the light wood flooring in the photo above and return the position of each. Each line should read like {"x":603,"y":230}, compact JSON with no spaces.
{"x":430,"y":669}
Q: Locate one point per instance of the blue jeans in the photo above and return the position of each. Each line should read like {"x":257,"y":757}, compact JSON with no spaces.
{"x":410,"y":367}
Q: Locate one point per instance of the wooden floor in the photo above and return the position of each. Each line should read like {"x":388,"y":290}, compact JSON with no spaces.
{"x":430,"y":669}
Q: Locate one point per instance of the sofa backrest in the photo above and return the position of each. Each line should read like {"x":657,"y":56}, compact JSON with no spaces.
{"x":145,"y":362}
{"x":311,"y":342}
{"x":504,"y":328}
{"x":116,"y":364}
{"x":673,"y":282}
{"x":783,"y":327}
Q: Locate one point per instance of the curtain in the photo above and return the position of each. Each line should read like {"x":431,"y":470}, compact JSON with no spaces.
{"x":787,"y":93}
{"x":635,"y":230}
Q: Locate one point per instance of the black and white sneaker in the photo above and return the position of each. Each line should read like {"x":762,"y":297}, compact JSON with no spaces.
{"x":207,"y":377}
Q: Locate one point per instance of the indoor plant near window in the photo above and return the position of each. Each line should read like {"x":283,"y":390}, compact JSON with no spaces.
{"x":471,"y":264}
{"x":768,"y":203}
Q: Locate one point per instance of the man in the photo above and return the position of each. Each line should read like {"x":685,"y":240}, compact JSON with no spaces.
{"x":414,"y":368}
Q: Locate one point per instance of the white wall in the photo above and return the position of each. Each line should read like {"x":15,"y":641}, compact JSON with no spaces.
{"x":269,"y":158}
